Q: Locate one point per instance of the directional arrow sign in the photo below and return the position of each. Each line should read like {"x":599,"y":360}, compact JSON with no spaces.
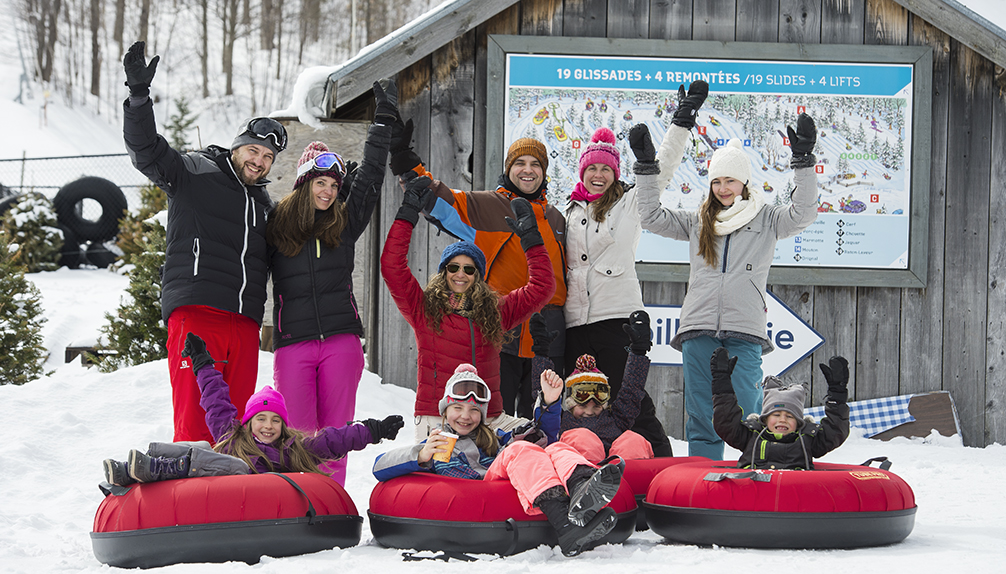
{"x":793,"y":338}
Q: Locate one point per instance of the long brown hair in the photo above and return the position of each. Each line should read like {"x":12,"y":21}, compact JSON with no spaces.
{"x":295,"y":221}
{"x":485,"y":311}
{"x":707,"y":232}
{"x":240,"y":442}
{"x":603,"y":204}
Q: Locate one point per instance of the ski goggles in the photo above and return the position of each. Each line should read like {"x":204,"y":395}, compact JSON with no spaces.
{"x":328,"y":161}
{"x":264,"y":128}
{"x":463,"y":390}
{"x":454,"y":267}
{"x":582,"y":393}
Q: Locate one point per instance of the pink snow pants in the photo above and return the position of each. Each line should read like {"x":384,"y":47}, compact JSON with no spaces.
{"x":532,"y":470}
{"x":629,"y":445}
{"x":319,"y":379}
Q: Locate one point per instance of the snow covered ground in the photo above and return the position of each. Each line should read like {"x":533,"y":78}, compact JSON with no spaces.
{"x":61,"y":427}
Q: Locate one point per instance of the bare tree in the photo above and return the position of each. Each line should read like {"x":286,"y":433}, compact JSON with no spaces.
{"x":144,"y":19}
{"x":267,"y":30}
{"x":43,"y":15}
{"x":310,"y":17}
{"x":204,"y":53}
{"x":95,"y":48}
{"x":229,"y":22}
{"x":279,"y":36}
{"x":120,"y":23}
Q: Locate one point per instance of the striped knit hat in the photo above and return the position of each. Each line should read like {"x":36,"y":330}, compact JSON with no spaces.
{"x":526,"y":146}
{"x":601,"y":150}
{"x":311,"y":152}
{"x":586,"y":371}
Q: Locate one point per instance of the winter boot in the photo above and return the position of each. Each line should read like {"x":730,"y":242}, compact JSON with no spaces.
{"x":146,"y":468}
{"x":575,"y":539}
{"x":589,"y":495}
{"x":117,"y":473}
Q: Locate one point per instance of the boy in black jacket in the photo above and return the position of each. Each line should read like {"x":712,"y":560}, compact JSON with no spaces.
{"x":781,"y":438}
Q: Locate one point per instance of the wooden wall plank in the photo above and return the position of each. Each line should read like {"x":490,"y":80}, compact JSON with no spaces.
{"x":757,"y":21}
{"x":922,"y":309}
{"x":671,"y":19}
{"x":967,"y":239}
{"x":714,"y":20}
{"x":585,"y":18}
{"x":628,"y":19}
{"x":396,"y":359}
{"x":506,"y":22}
{"x":835,"y":320}
{"x":886,"y":23}
{"x":666,"y":385}
{"x":800,"y":21}
{"x":995,"y":371}
{"x":541,"y":17}
{"x":842,"y":21}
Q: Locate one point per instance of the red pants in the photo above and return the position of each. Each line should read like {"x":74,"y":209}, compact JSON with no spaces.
{"x":629,"y":445}
{"x":532,"y":470}
{"x":229,"y":337}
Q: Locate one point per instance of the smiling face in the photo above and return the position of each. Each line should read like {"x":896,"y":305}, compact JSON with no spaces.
{"x":589,"y":409}
{"x":780,"y":422}
{"x":598,"y":178}
{"x":527,"y":174}
{"x":252,"y":162}
{"x":266,"y":426}
{"x":323,"y":190}
{"x":459,"y":281}
{"x":726,"y":189}
{"x":463,"y":417}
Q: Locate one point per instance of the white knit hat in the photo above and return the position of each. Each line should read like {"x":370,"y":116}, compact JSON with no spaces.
{"x":730,"y":161}
{"x":466,"y":372}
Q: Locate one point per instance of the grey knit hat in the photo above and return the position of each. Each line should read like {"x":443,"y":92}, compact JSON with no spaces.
{"x":466,"y":372}
{"x":783,"y":398}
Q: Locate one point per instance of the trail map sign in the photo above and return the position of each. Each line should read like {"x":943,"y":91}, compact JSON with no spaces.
{"x":867,"y":110}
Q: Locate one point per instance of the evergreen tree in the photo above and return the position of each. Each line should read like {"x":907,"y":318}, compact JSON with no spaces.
{"x":179,"y":124}
{"x":20,"y":320}
{"x":131,"y":227}
{"x":32,"y":226}
{"x":136,"y":332}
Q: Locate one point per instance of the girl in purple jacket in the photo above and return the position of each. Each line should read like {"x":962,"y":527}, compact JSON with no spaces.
{"x":259,"y":442}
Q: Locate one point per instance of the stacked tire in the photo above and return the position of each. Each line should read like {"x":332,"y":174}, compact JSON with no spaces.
{"x":78,"y":230}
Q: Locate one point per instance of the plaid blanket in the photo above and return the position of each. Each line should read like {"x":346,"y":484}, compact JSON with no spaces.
{"x":874,"y":416}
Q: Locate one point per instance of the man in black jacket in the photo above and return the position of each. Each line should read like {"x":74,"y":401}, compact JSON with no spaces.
{"x":216,"y":263}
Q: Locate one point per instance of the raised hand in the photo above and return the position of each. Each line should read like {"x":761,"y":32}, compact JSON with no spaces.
{"x":139,"y":73}
{"x":526,"y":224}
{"x":638,"y":330}
{"x":417,"y":194}
{"x":802,"y":141}
{"x":641,"y":143}
{"x":195,"y":350}
{"x":688,"y":105}
{"x":386,"y":96}
{"x":403,"y":157}
{"x":721,"y":365}
{"x":836,"y":372}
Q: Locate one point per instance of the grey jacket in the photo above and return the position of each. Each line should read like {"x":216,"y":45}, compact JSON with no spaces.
{"x":729,"y":298}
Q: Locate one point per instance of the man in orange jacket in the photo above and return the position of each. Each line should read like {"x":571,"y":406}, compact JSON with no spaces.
{"x":479,"y":216}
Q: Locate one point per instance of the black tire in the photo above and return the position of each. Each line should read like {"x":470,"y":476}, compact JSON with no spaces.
{"x":69,"y":254}
{"x":107,"y":194}
{"x":99,"y":255}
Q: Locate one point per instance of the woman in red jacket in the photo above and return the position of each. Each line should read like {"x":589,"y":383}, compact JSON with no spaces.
{"x":458,"y":318}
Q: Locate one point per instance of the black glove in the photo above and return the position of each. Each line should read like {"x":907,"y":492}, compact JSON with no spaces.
{"x":526,"y":225}
{"x":386,"y":96}
{"x":531,"y":433}
{"x":403,"y":158}
{"x":641,"y":143}
{"x":802,"y":141}
{"x":417,"y":194}
{"x":138,"y":72}
{"x":541,"y":337}
{"x":836,"y":372}
{"x":195,"y":349}
{"x":638,"y":330}
{"x":347,"y":181}
{"x":388,"y":428}
{"x":688,"y":106}
{"x":722,"y":366}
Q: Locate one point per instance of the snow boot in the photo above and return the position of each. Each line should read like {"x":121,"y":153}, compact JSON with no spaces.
{"x":117,"y":473}
{"x":575,"y":539}
{"x":587,"y":496}
{"x":144,"y":468}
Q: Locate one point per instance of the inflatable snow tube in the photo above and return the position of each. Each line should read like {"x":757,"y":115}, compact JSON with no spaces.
{"x":430,"y":512}
{"x":640,"y":472}
{"x":832,"y":506}
{"x":223,"y":518}
{"x":105,"y":193}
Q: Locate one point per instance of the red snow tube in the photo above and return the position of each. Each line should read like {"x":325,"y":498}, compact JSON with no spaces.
{"x":640,"y":472}
{"x":832,"y":506}
{"x":223,"y":518}
{"x":431,"y":512}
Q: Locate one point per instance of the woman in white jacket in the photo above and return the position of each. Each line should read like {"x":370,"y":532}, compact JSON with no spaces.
{"x":732,"y":241}
{"x":602,"y":232}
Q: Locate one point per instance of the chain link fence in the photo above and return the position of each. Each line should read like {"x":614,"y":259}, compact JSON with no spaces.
{"x":46,"y":175}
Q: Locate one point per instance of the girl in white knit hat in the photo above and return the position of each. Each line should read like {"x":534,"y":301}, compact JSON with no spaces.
{"x":732,"y":241}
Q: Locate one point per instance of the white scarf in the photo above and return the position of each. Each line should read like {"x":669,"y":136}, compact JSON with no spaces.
{"x":740,"y":213}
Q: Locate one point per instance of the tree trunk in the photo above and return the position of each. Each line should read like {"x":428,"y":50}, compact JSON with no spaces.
{"x":43,"y":15}
{"x":144,"y":19}
{"x":279,"y":36}
{"x":95,"y":48}
{"x":267,"y":30}
{"x":230,"y":25}
{"x":204,"y":55}
{"x":119,"y":26}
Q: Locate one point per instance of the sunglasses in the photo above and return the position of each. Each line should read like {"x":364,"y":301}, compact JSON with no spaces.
{"x":265,"y":128}
{"x":463,"y":390}
{"x":327,"y":161}
{"x":454,"y":267}
{"x":584,"y":392}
